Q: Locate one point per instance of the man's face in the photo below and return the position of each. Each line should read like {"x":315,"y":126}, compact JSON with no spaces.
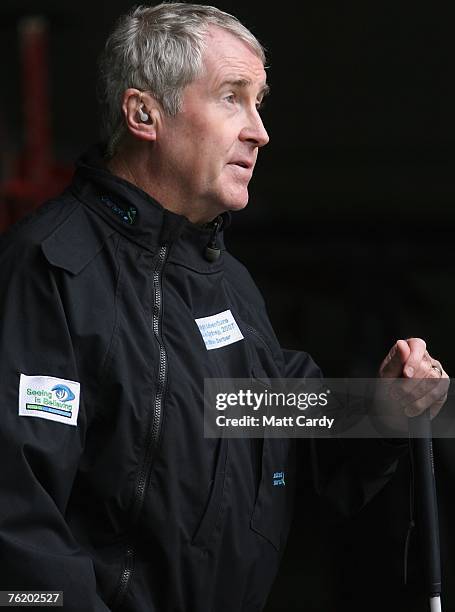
{"x":208,"y":151}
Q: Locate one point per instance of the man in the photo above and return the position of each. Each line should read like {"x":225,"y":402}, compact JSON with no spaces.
{"x":111,"y":492}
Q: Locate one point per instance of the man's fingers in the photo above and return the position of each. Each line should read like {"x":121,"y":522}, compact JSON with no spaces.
{"x":429,"y":392}
{"x":392,"y":366}
{"x":434,"y":399}
{"x":418,"y":385}
{"x":421,"y":382}
{"x":417,"y":348}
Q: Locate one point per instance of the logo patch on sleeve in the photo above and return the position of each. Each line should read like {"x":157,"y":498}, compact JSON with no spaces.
{"x":219,"y":330}
{"x":46,"y":397}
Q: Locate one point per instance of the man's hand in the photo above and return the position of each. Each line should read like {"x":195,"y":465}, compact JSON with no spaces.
{"x":424,"y":384}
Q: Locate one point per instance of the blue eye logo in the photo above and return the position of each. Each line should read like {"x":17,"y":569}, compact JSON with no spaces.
{"x":63,"y":393}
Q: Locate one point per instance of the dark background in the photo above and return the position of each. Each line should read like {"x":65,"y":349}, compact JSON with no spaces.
{"x":348,"y":232}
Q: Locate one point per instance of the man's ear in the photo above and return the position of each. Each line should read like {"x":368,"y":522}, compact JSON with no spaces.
{"x":142,"y":113}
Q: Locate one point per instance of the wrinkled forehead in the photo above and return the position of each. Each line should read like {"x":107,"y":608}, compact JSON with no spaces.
{"x":216,"y":36}
{"x":226,"y":56}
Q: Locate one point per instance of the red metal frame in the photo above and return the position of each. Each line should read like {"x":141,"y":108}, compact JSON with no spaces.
{"x":35,"y":176}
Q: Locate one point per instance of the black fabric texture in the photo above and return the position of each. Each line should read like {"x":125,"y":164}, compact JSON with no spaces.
{"x":77,"y":300}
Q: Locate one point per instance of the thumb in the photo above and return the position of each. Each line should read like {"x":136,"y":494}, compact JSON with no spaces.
{"x":392,"y":366}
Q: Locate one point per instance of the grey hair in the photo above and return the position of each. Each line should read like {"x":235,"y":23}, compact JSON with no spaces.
{"x":158,"y":49}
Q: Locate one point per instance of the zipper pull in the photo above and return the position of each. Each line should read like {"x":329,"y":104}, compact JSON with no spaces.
{"x":212,"y":252}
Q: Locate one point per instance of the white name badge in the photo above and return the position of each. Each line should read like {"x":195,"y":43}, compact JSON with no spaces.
{"x":219,"y":330}
{"x":50,"y":398}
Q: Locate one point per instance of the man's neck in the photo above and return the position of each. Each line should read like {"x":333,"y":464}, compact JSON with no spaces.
{"x":136,"y":170}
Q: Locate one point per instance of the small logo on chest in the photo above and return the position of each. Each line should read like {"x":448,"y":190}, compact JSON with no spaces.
{"x":278,"y":479}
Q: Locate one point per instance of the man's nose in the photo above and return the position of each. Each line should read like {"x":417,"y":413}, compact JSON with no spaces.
{"x":254,"y":131}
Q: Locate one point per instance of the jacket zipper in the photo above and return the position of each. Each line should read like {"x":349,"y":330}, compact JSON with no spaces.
{"x":155,"y":428}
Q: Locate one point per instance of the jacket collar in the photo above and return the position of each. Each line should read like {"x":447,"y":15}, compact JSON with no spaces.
{"x":140,"y":218}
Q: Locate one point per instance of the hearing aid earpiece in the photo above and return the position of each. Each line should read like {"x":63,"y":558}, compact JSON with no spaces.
{"x":144,"y":116}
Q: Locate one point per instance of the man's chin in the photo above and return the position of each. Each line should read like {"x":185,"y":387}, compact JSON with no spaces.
{"x":238,"y":203}
{"x":229,"y":201}
{"x":237,"y":206}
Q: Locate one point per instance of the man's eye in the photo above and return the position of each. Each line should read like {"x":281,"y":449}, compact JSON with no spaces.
{"x":230,"y":98}
{"x":259,"y":105}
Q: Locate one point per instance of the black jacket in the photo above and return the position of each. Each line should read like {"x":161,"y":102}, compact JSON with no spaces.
{"x":133,"y":509}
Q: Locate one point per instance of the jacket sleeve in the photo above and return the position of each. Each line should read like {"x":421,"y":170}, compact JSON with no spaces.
{"x":39,"y":457}
{"x":348,"y":473}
